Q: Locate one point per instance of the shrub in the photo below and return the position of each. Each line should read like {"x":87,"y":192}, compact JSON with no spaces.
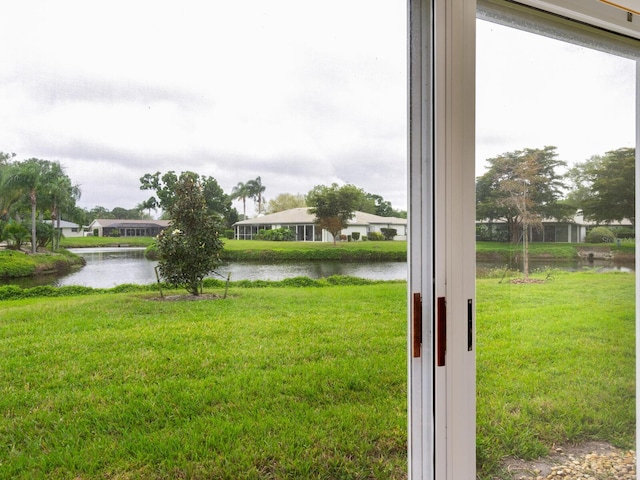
{"x":600,"y":235}
{"x":389,"y":233}
{"x":355,"y":236}
{"x":375,"y":236}
{"x":16,"y":234}
{"x":151,"y":252}
{"x":44,"y":234}
{"x":276,"y":235}
{"x":190,"y":247}
{"x":623,"y":232}
{"x":365,"y":238}
{"x":228,"y":234}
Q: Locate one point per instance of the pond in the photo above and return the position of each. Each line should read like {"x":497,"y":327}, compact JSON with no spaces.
{"x":108,"y":267}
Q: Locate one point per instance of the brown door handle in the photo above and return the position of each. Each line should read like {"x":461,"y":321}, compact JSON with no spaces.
{"x":442,"y":331}
{"x":417,"y":325}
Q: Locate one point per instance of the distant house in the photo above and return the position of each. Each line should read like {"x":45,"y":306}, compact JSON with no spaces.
{"x":69,"y":229}
{"x":302,"y":223}
{"x":102,"y":227}
{"x":573,"y":230}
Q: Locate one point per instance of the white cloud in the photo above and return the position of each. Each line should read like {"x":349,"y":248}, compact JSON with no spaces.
{"x":294,"y":91}
{"x":535,"y":91}
{"x":297,"y":92}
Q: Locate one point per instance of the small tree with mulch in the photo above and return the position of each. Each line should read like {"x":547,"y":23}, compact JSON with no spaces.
{"x":189,"y":249}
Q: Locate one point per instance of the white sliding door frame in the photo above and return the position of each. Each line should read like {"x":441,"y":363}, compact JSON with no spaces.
{"x":441,"y":178}
{"x":441,"y":241}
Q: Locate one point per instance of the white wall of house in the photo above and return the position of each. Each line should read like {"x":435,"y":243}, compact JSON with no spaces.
{"x":69,"y":229}
{"x":69,"y":232}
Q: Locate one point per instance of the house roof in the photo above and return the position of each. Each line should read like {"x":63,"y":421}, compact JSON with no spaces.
{"x":124,"y":223}
{"x":63,"y":224}
{"x":302,"y":216}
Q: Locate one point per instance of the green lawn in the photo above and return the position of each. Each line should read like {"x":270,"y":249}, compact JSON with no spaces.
{"x":92,"y":242}
{"x":386,"y":246}
{"x":260,"y":250}
{"x":306,"y":382}
{"x":270,"y":383}
{"x":555,"y":364}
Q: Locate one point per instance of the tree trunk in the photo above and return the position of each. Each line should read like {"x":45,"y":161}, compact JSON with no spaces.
{"x":525,"y":242}
{"x":34,"y":243}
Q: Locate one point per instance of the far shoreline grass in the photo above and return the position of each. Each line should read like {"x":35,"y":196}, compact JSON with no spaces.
{"x":267,"y":251}
{"x":303,"y":381}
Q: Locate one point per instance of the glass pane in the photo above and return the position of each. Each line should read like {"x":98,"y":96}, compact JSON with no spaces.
{"x":555,"y":314}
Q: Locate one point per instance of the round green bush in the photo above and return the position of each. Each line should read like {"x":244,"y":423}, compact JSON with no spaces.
{"x":600,"y":235}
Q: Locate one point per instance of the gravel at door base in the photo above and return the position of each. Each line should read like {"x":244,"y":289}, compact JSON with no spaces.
{"x":589,"y":461}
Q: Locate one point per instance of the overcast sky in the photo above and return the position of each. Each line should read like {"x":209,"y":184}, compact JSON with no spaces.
{"x":534,"y":91}
{"x":299,"y":93}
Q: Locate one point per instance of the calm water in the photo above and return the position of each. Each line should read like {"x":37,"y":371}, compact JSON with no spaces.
{"x":107,"y":267}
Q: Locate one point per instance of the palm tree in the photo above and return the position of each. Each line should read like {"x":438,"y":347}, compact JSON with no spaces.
{"x":7,"y":196}
{"x":61,"y":194}
{"x":147,"y":205}
{"x":28,"y":177}
{"x":256,"y":189}
{"x":242,"y":191}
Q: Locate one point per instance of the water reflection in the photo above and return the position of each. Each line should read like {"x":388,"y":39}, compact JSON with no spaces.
{"x":483,"y":268}
{"x":108,"y":267}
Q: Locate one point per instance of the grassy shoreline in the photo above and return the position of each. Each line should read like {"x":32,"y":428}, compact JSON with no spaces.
{"x":17,"y":264}
{"x":298,"y":382}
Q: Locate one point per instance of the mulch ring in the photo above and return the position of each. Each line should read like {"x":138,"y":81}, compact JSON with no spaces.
{"x":186,"y":297}
{"x":527,"y":280}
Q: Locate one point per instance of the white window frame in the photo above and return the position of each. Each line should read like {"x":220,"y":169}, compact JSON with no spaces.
{"x":441,"y":179}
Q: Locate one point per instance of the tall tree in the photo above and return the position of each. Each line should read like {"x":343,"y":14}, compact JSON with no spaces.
{"x":519,"y":189}
{"x":99,"y":212}
{"x":165,"y":185}
{"x":7,"y":197}
{"x":382,"y":206}
{"x":241,"y":192}
{"x":60,"y":194}
{"x":493,"y":199}
{"x":333,"y":206}
{"x":126,"y":213}
{"x":142,"y":206}
{"x":29,"y":176}
{"x":286,"y":201}
{"x":605,"y":186}
{"x":256,"y":189}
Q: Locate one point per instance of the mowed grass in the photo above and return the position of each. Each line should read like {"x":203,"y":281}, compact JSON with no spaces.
{"x":96,"y":242}
{"x":385,"y":246}
{"x":306,"y":382}
{"x":269,"y":383}
{"x":261,"y":250}
{"x":555,"y":364}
